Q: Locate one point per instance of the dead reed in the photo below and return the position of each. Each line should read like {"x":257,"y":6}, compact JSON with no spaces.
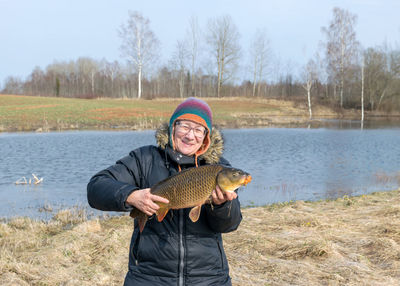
{"x":348,"y":241}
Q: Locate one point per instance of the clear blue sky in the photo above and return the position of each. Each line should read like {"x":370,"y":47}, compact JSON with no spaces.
{"x":39,"y":32}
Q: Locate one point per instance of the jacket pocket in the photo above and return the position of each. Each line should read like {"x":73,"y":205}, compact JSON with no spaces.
{"x":204,"y":256}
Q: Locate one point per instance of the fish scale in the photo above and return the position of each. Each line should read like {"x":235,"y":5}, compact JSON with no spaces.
{"x":192,"y":188}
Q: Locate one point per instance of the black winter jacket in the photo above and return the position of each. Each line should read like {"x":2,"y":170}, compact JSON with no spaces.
{"x":175,"y":251}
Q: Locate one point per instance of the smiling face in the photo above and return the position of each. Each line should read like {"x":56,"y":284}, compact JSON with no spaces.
{"x":188,"y":137}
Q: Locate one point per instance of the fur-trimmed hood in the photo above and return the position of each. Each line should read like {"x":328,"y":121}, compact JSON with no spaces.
{"x":211,"y":156}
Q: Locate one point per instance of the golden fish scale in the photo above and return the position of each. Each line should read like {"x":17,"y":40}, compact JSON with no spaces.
{"x":190,"y":187}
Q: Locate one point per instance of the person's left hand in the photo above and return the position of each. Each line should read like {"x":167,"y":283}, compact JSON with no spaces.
{"x":219,"y":197}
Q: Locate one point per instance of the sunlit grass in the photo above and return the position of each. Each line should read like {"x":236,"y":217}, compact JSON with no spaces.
{"x":26,"y":113}
{"x":348,"y":241}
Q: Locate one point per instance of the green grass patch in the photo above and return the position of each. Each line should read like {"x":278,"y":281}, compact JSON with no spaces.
{"x":27,"y":113}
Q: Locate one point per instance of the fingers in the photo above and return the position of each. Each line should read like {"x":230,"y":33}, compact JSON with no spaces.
{"x":215,"y":199}
{"x":230,"y":196}
{"x":219,"y":194}
{"x":219,"y":197}
{"x":144,"y":201}
{"x":156,"y":198}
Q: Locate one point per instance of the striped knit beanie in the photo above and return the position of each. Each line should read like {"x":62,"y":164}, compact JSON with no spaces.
{"x":195,"y":110}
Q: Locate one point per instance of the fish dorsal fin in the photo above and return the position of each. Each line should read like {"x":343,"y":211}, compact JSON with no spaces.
{"x":194,"y":213}
{"x":161,"y":213}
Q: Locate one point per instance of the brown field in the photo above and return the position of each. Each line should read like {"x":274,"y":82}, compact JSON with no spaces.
{"x":30,"y":113}
{"x":349,"y":241}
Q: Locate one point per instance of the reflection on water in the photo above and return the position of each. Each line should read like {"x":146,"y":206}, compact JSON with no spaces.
{"x":286,"y":164}
{"x":377,"y":123}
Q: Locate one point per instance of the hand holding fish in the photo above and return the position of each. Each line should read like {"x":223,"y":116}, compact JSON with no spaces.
{"x":145,"y":201}
{"x":219,"y":197}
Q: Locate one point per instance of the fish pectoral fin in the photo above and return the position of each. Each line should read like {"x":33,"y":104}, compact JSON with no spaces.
{"x":194,"y":213}
{"x":161,"y":213}
{"x":142,"y":219}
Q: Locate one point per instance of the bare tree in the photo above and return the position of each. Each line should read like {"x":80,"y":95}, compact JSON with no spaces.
{"x":13,"y":85}
{"x":260,"y":53}
{"x":377,"y":75}
{"x":223,"y":38}
{"x":179,"y":63}
{"x":111,"y":71}
{"x":341,"y":47}
{"x":193,"y":36}
{"x":310,"y":74}
{"x":139,"y":44}
{"x":37,"y":81}
{"x":362,"y":93}
{"x":87,"y":69}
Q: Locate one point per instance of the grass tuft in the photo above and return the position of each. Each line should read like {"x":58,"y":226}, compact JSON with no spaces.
{"x":298,"y":243}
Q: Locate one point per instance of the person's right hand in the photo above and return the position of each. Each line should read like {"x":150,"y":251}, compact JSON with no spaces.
{"x":144,"y":201}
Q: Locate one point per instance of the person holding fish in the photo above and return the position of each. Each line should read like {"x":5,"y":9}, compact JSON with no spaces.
{"x":182,"y":194}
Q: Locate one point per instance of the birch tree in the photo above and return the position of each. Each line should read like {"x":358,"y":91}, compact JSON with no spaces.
{"x":260,"y":54}
{"x":362,"y":93}
{"x":310,"y":73}
{"x":341,"y":47}
{"x":139,"y":44}
{"x":223,"y":39}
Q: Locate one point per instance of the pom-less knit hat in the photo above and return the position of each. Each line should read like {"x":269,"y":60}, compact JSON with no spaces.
{"x":195,"y":110}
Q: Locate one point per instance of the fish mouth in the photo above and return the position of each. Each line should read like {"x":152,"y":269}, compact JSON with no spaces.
{"x":247,"y":180}
{"x":243,"y":182}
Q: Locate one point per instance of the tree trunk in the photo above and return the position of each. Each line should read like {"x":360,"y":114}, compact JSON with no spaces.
{"x":181,"y":83}
{"x":309,"y":99}
{"x":92,"y":79}
{"x":380,"y":99}
{"x":139,"y":82}
{"x":362,"y":95}
{"x":259,"y":79}
{"x":341,"y":92}
{"x":255,"y":76}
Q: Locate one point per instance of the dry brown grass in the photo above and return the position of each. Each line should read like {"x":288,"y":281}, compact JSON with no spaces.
{"x":349,"y":241}
{"x":26,"y":113}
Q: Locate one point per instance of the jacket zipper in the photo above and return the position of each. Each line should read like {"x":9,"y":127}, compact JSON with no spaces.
{"x":181,"y":248}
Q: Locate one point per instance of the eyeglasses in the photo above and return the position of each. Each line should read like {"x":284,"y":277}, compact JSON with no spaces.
{"x":184,"y":129}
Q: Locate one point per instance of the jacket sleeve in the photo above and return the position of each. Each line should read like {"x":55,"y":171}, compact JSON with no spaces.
{"x":109,"y":188}
{"x":225,"y":217}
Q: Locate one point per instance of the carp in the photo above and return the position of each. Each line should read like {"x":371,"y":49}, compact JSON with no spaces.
{"x":191,"y":188}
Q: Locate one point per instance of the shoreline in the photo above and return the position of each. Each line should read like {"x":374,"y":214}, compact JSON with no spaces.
{"x":285,"y":122}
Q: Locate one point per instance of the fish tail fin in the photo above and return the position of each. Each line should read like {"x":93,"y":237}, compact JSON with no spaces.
{"x":161,"y":213}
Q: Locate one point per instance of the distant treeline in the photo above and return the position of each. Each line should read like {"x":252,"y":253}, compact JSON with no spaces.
{"x":88,"y":78}
{"x":207,"y":64}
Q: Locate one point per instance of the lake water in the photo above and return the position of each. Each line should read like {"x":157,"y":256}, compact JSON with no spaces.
{"x":286,"y":164}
